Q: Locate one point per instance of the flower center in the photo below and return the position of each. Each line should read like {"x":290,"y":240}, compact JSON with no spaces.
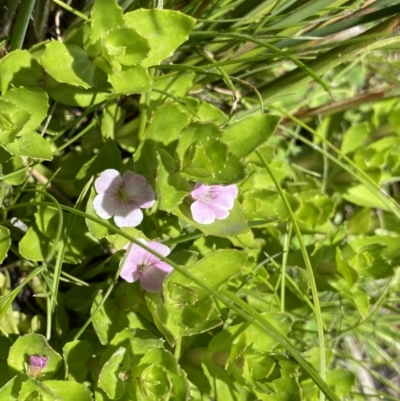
{"x":142,"y":267}
{"x":122,"y":195}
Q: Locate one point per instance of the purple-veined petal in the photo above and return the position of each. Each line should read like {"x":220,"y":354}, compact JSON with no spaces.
{"x":223,"y":201}
{"x":129,"y":272}
{"x":128,"y":215}
{"x":152,"y":279}
{"x":159,"y":248}
{"x":165,"y":267}
{"x":199,"y":190}
{"x":138,"y":190}
{"x":219,"y":212}
{"x":105,"y":205}
{"x":108,"y":182}
{"x":231,"y":190}
{"x":202,"y":213}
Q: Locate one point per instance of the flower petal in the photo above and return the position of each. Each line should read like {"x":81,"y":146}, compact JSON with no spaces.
{"x":128,"y":215}
{"x":137,"y":189}
{"x":223,"y":201}
{"x":202,"y":213}
{"x":165,"y":267}
{"x":129,"y":272}
{"x":160,"y":248}
{"x":199,"y":190}
{"x":219,"y":212}
{"x":231,"y":190}
{"x":152,"y":279}
{"x":105,"y":205}
{"x":108,"y":182}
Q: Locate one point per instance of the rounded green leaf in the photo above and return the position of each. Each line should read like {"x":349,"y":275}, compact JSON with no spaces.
{"x":13,"y":69}
{"x":30,"y":100}
{"x":69,"y":64}
{"x":33,"y":344}
{"x":215,"y":269}
{"x":31,"y":145}
{"x":115,"y":373}
{"x":76,"y":356}
{"x":247,"y":134}
{"x":105,"y":15}
{"x":73,"y":95}
{"x":69,"y":391}
{"x":126,"y":46}
{"x":158,"y":373}
{"x":165,"y":30}
{"x":130,"y":79}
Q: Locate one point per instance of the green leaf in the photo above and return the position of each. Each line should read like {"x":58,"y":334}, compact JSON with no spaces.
{"x":165,"y":30}
{"x":108,"y":320}
{"x":114,"y":374}
{"x":19,"y":68}
{"x":130,"y":79}
{"x":247,"y":134}
{"x":32,"y":390}
{"x":198,"y":132}
{"x":111,"y":120}
{"x":5,"y":242}
{"x":223,"y":386}
{"x":158,"y":376}
{"x":171,"y":187}
{"x":362,"y":196}
{"x":30,"y":100}
{"x":375,"y":256}
{"x":68,"y":390}
{"x":12,"y":165}
{"x":33,"y":344}
{"x":30,"y":145}
{"x":354,"y":137}
{"x":73,"y":95}
{"x":77,"y":354}
{"x":209,"y":160}
{"x":215,"y":269}
{"x":285,"y":387}
{"x":162,"y":132}
{"x":341,"y":380}
{"x":262,"y":342}
{"x":9,"y":392}
{"x":126,"y":46}
{"x":344,"y":268}
{"x":266,"y":204}
{"x":69,"y":64}
{"x":138,"y":342}
{"x":34,"y":245}
{"x":315,"y":209}
{"x":234,"y":224}
{"x":105,"y":15}
{"x":191,"y":308}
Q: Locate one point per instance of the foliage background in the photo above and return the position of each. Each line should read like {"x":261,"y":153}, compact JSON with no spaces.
{"x":319,"y":194}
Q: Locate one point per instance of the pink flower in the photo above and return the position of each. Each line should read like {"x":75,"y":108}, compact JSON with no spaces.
{"x":144,"y":266}
{"x":212,"y":202}
{"x":36,"y":364}
{"x":122,"y":197}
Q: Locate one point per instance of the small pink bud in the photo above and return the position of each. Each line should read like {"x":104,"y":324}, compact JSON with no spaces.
{"x":36,"y":364}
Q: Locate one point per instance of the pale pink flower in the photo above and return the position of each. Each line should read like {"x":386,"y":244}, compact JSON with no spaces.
{"x":36,"y":364}
{"x":212,"y":202}
{"x":122,"y":197}
{"x":143,"y":266}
